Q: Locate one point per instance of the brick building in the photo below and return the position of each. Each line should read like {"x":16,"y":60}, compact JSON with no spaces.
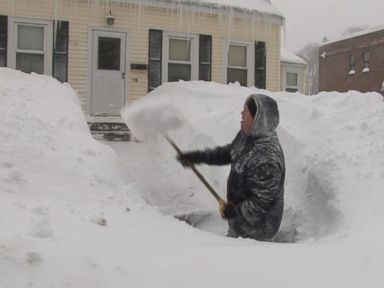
{"x":355,"y":62}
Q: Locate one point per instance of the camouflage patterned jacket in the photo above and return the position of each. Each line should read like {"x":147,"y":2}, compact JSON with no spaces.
{"x":255,"y":184}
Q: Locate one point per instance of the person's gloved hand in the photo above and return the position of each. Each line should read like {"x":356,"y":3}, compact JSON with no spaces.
{"x":227,"y":211}
{"x":183,"y":159}
{"x":188,"y":158}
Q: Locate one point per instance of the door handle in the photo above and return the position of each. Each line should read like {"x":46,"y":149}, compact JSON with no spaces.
{"x":122,"y":75}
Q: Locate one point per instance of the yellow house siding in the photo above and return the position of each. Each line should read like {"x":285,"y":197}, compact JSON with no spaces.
{"x":136,"y":20}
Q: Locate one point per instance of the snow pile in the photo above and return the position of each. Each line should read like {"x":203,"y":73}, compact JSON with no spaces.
{"x":332,"y":145}
{"x":74,"y":215}
{"x":57,"y":184}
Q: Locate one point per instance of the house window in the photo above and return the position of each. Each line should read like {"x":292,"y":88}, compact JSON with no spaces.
{"x":291,"y":84}
{"x":180,"y":60}
{"x":36,"y":46}
{"x":366,"y":57}
{"x":3,"y":40}
{"x":177,"y":56}
{"x":237,"y":68}
{"x":181,"y":57}
{"x":352,"y":64}
{"x":30,"y":50}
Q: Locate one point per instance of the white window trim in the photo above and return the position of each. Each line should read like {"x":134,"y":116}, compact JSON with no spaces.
{"x":12,"y":41}
{"x":194,"y":53}
{"x":250,"y":60}
{"x":300,"y":77}
{"x":286,"y":86}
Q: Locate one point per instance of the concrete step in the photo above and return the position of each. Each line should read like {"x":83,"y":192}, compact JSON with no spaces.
{"x":110,"y":131}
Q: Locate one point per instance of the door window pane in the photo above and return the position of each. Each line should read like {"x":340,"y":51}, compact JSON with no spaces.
{"x":109,"y":53}
{"x":30,"y":62}
{"x":179,"y":50}
{"x":179,"y":72}
{"x":239,"y":75}
{"x":30,"y":38}
{"x":291,"y":79}
{"x":237,"y":56}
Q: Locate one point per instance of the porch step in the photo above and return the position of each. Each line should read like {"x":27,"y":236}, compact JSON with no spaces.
{"x":110,"y":131}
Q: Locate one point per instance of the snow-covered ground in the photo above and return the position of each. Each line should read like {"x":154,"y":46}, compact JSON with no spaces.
{"x":76,"y":212}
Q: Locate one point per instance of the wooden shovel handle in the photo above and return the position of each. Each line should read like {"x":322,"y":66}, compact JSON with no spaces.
{"x":220,"y":200}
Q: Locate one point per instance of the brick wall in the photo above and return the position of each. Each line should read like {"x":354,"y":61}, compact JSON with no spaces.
{"x":334,"y":68}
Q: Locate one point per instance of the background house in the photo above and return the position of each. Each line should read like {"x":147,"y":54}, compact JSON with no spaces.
{"x":113,"y":52}
{"x":293,"y":72}
{"x":355,"y":62}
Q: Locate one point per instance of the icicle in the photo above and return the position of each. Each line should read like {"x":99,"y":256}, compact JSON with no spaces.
{"x":12,"y":7}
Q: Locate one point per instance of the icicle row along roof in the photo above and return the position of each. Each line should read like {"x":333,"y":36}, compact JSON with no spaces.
{"x":250,"y":6}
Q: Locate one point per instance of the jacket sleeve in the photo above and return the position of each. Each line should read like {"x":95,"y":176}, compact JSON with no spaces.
{"x":216,"y":156}
{"x":263,"y":183}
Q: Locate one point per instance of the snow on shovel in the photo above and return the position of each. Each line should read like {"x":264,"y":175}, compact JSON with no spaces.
{"x":148,"y":120}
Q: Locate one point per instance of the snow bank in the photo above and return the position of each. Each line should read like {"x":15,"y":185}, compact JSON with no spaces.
{"x":56,"y":183}
{"x":332,"y":145}
{"x":73,"y":213}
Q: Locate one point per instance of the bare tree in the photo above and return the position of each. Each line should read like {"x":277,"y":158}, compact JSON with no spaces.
{"x":353,"y":29}
{"x":310,"y":53}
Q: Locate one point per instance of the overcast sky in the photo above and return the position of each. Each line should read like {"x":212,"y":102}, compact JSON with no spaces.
{"x":309,"y":21}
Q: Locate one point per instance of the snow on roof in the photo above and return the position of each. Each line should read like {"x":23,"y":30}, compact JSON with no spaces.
{"x":262,"y":6}
{"x":289,"y":57}
{"x":252,"y":5}
{"x":353,"y":35}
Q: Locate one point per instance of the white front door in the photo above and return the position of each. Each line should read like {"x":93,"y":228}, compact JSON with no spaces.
{"x":108,"y":72}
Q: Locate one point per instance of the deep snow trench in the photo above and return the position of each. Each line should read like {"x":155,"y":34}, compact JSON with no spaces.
{"x":309,"y":212}
{"x":208,"y":115}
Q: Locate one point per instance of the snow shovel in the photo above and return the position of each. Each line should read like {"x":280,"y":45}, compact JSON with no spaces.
{"x":220,"y":200}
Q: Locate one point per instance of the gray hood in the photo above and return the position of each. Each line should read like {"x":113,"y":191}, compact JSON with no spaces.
{"x":267,"y":115}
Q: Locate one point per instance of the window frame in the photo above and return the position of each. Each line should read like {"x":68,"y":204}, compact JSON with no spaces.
{"x":366,"y":59}
{"x":291,"y":88}
{"x":351,"y":64}
{"x":250,"y":63}
{"x":13,"y":23}
{"x":194,"y":54}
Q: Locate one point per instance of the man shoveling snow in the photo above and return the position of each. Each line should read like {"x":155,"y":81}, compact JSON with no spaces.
{"x":255,"y":186}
